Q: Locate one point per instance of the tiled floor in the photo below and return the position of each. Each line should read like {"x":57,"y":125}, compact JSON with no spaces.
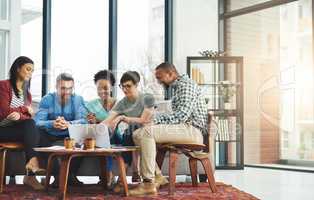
{"x":266,"y":184}
{"x":270,"y":184}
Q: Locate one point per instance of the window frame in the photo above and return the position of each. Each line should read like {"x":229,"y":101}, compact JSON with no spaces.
{"x":222,"y":37}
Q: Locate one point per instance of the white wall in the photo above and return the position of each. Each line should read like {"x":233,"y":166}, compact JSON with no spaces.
{"x":195,"y":29}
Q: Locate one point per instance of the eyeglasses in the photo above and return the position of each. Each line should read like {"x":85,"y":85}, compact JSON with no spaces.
{"x":126,"y":86}
{"x":67,"y":88}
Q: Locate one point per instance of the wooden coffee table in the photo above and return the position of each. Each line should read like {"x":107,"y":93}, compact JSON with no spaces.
{"x":67,"y":155}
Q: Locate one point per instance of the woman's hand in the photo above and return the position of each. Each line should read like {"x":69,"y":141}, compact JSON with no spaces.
{"x":14,"y":116}
{"x":91,"y":118}
{"x":30,"y":110}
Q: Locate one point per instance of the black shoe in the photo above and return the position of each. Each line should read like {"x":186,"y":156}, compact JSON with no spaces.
{"x":55,"y":183}
{"x":136,"y":177}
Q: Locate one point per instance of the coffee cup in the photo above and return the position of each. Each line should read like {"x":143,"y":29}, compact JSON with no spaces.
{"x":89,"y":144}
{"x":69,"y":143}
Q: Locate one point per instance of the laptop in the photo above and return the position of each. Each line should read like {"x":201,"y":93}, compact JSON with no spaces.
{"x":100,"y":132}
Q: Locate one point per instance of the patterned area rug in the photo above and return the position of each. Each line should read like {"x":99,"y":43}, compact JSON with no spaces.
{"x":184,"y":191}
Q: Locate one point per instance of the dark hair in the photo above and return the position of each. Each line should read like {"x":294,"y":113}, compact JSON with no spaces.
{"x":17,"y":64}
{"x":105,"y":74}
{"x":167,"y":67}
{"x":64,"y":77}
{"x":130,"y":76}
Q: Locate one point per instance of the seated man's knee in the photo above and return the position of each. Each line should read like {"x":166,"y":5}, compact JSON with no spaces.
{"x":144,"y":132}
{"x":137,"y":136}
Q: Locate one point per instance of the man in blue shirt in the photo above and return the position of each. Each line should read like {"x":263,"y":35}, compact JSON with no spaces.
{"x":56,"y":112}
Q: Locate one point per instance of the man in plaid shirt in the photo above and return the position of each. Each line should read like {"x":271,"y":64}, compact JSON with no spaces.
{"x":187,"y":123}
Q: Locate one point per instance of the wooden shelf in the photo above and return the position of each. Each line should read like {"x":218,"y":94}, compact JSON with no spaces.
{"x":220,"y":112}
{"x":222,"y":141}
{"x":227,"y":72}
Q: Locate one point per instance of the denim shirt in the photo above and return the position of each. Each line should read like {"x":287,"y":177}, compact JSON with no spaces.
{"x":73,"y":111}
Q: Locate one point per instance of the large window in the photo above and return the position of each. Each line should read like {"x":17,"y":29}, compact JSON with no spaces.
{"x":79,"y":42}
{"x":4,"y":9}
{"x":141,"y":41}
{"x":79,"y":38}
{"x":4,"y":16}
{"x":3,"y":51}
{"x":31,"y":40}
{"x":278,"y":81}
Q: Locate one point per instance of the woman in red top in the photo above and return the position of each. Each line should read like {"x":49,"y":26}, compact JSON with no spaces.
{"x":16,"y":123}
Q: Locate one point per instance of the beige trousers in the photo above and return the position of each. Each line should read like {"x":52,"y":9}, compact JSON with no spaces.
{"x":147,"y":137}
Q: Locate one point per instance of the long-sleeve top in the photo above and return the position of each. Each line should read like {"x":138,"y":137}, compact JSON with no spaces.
{"x":50,"y":108}
{"x":95,"y":106}
{"x":188,"y":105}
{"x":6,"y":95}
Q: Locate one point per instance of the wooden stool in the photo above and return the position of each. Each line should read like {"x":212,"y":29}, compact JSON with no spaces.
{"x":195,"y":152}
{"x":4,"y":147}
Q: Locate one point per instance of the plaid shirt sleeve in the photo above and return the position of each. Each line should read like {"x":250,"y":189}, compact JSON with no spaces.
{"x":182,"y":108}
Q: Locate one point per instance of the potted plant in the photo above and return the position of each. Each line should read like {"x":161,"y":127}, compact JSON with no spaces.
{"x":227,"y":91}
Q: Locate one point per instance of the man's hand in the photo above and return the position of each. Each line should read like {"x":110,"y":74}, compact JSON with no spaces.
{"x":56,"y":123}
{"x":91,"y":118}
{"x":61,"y":123}
{"x":148,"y":122}
{"x":14,"y":116}
{"x":64,"y":124}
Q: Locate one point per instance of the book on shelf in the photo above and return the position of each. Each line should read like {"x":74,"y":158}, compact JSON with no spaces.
{"x":223,"y":132}
{"x":197,"y":75}
{"x":232,"y":153}
{"x":233,"y":128}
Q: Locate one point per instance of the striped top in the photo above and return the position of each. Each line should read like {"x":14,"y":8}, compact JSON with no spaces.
{"x":15,"y":102}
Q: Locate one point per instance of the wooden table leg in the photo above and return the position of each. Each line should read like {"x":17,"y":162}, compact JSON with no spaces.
{"x":63,"y":176}
{"x":2,"y":168}
{"x":103,"y":171}
{"x":49,"y":169}
{"x":122,"y":173}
